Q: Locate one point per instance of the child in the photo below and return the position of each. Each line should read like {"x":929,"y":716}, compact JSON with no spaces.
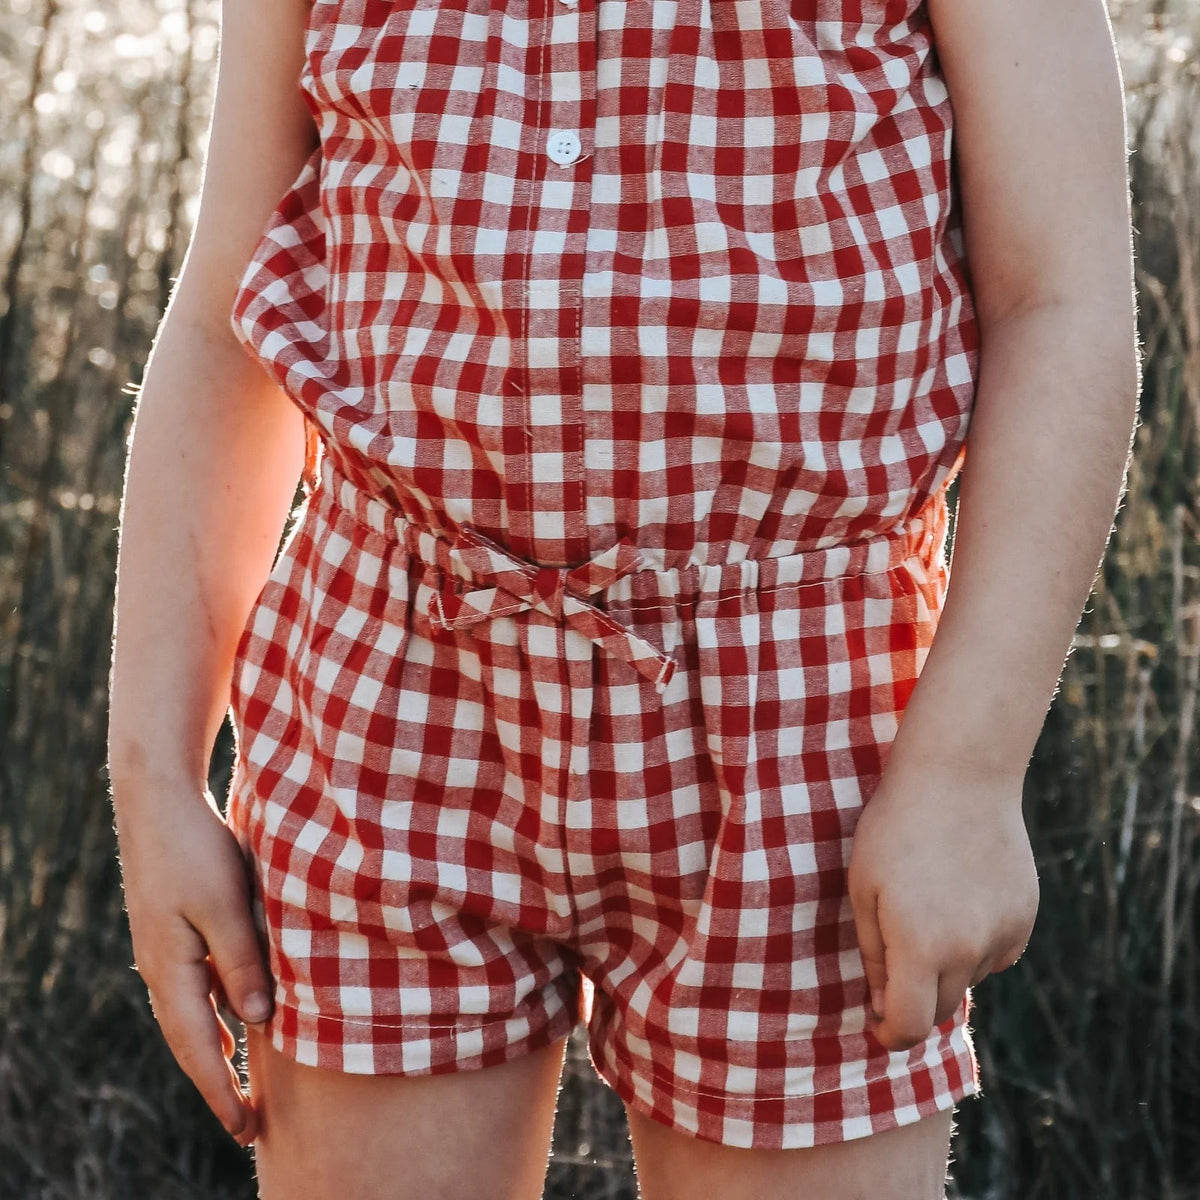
{"x":640,"y":339}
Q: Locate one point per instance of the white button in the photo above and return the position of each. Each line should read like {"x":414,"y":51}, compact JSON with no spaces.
{"x":564,"y":146}
{"x":570,"y":3}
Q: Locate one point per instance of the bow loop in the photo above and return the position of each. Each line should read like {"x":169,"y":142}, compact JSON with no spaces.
{"x":548,"y":586}
{"x":606,"y":568}
{"x":505,"y":584}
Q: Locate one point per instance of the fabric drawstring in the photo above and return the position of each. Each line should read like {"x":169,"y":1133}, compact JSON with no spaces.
{"x":505,"y":584}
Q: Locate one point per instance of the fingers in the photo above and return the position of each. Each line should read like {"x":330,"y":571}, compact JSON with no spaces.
{"x":237,"y":961}
{"x":918,"y":998}
{"x":202,"y":1044}
{"x":220,"y":1003}
{"x":871,"y":947}
{"x":904,"y":995}
{"x":994,"y":965}
{"x":910,"y":1002}
{"x":217,"y":987}
{"x":912,"y":993}
{"x":953,"y":984}
{"x":951,"y":991}
{"x":196,"y":947}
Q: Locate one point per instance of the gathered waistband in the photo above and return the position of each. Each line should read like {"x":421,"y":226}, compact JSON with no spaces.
{"x":922,"y":537}
{"x":473,"y":578}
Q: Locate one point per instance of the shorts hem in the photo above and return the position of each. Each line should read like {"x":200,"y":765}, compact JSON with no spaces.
{"x":400,"y":1047}
{"x":757,"y":1122}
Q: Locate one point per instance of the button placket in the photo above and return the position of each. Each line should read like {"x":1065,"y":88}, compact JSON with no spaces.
{"x":558,"y":225}
{"x":563,"y":146}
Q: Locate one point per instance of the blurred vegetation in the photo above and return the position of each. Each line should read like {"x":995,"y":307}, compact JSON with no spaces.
{"x":1090,"y":1048}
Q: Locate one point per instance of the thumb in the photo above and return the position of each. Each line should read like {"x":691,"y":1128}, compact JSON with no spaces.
{"x":871,"y":947}
{"x":237,"y":961}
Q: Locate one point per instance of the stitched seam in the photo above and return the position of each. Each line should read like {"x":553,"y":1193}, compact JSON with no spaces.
{"x":952,"y":1054}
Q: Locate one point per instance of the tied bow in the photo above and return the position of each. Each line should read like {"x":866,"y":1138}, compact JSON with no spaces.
{"x":508,"y":584}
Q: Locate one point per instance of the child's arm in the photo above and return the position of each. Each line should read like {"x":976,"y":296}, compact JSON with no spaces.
{"x":942,"y":878}
{"x":215,"y":457}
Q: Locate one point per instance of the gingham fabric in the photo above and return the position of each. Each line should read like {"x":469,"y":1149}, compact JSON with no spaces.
{"x":639,"y":345}
{"x":684,"y":271}
{"x":447,"y":826}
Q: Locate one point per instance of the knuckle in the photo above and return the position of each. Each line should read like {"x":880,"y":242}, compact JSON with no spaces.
{"x":188,"y":1057}
{"x":1005,"y":961}
{"x":149,"y":969}
{"x":946,"y":1011}
{"x":969,"y":954}
{"x":928,"y":950}
{"x":216,"y":908}
{"x":953,"y":948}
{"x":242,"y":975}
{"x":1013,"y":946}
{"x":147,"y":976}
{"x":966,"y":945}
{"x":196,"y":1065}
{"x":181,"y":1037}
{"x":902,"y":1039}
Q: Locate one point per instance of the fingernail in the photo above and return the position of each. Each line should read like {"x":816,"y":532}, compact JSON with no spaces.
{"x":257,"y":1007}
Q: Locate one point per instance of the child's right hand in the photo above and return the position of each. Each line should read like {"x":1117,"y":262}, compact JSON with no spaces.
{"x":194,"y":940}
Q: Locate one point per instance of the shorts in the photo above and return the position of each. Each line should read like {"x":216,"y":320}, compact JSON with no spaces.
{"x":465,"y":784}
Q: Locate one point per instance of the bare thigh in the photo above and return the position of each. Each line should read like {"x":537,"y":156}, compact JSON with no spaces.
{"x":907,"y":1163}
{"x":483,"y":1134}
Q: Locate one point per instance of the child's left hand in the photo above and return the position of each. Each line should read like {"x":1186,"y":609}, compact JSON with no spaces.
{"x":944,"y":890}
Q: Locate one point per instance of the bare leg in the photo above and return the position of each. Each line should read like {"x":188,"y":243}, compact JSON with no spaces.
{"x":478,"y":1135}
{"x":908,"y":1163}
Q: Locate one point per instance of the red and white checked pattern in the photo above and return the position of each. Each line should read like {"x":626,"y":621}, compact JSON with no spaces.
{"x":448,"y":823}
{"x":638,"y":338}
{"x":736,"y":324}
{"x":554,"y":591}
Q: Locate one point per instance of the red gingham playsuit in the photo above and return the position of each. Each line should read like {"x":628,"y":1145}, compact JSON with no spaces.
{"x":638,"y":339}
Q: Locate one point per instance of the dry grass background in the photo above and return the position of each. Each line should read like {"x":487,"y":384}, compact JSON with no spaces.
{"x":1090,"y":1047}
